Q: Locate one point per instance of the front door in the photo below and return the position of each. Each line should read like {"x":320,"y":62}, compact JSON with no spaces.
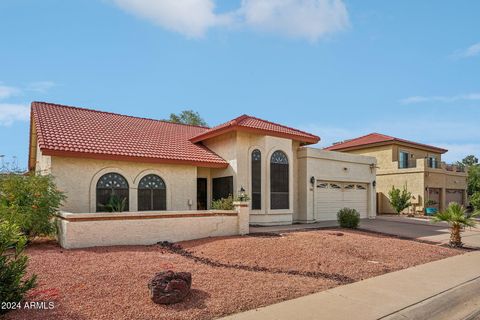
{"x":201,"y":193}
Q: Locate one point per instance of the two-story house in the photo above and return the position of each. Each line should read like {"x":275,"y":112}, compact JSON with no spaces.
{"x":417,"y":166}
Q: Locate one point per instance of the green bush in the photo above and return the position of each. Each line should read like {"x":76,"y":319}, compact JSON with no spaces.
{"x":475,"y":200}
{"x":399,"y":199}
{"x":13,"y":265}
{"x":30,"y":202}
{"x":348,"y":218}
{"x":223,"y":204}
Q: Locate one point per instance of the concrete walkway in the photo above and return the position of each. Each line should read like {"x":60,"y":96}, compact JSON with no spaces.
{"x":444,"y":289}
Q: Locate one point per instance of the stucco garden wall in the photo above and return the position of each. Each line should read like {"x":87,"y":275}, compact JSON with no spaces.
{"x":77,"y":230}
{"x":331,"y":166}
{"x":78,"y":177}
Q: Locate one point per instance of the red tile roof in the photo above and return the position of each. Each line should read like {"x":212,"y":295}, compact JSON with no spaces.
{"x":72,"y":131}
{"x":256,"y":125}
{"x":374,"y":138}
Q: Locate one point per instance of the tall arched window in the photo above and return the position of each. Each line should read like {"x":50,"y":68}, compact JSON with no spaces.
{"x":112,"y":193}
{"x":152,"y":193}
{"x":256,"y":179}
{"x":279,"y":184}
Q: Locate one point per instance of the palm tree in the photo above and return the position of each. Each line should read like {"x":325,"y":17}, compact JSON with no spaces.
{"x":457,"y":217}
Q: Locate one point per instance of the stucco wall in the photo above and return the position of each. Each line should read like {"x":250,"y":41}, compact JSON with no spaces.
{"x":77,"y":230}
{"x":331,"y":166}
{"x":43,"y":163}
{"x":77,"y":177}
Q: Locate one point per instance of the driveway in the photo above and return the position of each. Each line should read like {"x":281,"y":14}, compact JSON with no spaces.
{"x":420,"y":229}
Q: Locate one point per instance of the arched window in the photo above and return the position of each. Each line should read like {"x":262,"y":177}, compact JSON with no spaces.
{"x":256,"y":179}
{"x":152,"y":193}
{"x":112,"y":193}
{"x":279,"y":185}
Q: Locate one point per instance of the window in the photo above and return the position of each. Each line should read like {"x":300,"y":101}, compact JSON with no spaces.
{"x":361,"y":187}
{"x":334,"y":186}
{"x":350,"y":186}
{"x":322,"y":185}
{"x":152,"y":193}
{"x":403,"y":160}
{"x":279,"y":181}
{"x":432,"y":162}
{"x":112,"y":189}
{"x":256,"y":180}
{"x":222,"y":188}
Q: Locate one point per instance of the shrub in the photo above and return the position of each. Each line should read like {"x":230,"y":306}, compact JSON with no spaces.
{"x":30,"y":202}
{"x":475,"y":200}
{"x":348,"y":218}
{"x":13,"y":265}
{"x":399,"y":199}
{"x":223,"y":203}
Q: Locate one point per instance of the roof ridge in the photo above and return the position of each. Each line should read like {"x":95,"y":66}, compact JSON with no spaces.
{"x":281,"y":125}
{"x":113,"y":113}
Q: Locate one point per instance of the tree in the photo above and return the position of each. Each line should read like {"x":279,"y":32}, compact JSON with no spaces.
{"x":473,"y":180}
{"x":13,"y":264}
{"x":399,"y":199}
{"x":30,"y":202}
{"x":188,"y":117}
{"x":468,"y":161}
{"x":456,"y":216}
{"x":475,"y":200}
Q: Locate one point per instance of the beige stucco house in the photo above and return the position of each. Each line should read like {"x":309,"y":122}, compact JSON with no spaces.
{"x":161,"y":166}
{"x":417,"y":166}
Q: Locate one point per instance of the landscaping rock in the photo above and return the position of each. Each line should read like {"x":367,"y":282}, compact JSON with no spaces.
{"x":170,"y":287}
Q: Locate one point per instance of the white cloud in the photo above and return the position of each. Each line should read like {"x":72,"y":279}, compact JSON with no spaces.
{"x":7,"y":91}
{"x":190,"y":17}
{"x":310,"y":19}
{"x":10,"y":113}
{"x":41,"y":86}
{"x":472,"y":51}
{"x":443,"y":99}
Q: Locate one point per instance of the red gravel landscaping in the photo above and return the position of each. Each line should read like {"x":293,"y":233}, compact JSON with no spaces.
{"x":230,"y":274}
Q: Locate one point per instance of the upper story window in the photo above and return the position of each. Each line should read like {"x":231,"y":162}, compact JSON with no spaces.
{"x":403,"y":160}
{"x":112,"y":193}
{"x":279,"y":181}
{"x":152,"y":193}
{"x":256,"y":180}
{"x":432,"y":162}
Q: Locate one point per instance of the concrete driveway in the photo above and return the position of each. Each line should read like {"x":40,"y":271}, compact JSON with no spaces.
{"x":420,"y":229}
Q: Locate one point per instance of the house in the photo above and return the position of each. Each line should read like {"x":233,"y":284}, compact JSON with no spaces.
{"x":417,"y":166}
{"x":161,"y":166}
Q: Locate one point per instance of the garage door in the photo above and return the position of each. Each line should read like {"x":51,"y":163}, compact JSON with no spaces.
{"x":454,"y":195}
{"x":330,"y":197}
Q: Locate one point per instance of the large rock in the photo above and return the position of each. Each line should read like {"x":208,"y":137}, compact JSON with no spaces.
{"x":170,"y":287}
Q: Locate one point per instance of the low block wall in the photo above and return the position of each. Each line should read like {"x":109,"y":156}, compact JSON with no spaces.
{"x":81,"y":230}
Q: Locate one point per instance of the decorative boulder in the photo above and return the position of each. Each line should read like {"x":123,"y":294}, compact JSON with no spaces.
{"x":170,"y":287}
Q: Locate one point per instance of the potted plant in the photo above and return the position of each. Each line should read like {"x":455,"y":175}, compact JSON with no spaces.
{"x":430,"y":208}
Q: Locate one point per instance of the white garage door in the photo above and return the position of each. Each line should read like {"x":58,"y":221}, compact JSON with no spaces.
{"x":333,"y":196}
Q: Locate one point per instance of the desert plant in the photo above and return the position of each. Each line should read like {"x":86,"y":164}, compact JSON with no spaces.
{"x":475,"y":200}
{"x":223,"y":203}
{"x":430,"y":203}
{"x":30,"y":202}
{"x":116,"y":204}
{"x":348,"y":218}
{"x":399,"y":199}
{"x":13,"y":264}
{"x":456,"y":216}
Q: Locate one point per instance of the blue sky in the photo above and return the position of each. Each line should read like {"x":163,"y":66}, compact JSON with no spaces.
{"x":339,"y":69}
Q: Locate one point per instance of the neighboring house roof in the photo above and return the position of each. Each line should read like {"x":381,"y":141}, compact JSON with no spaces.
{"x":378,"y":139}
{"x":72,"y":131}
{"x":255,"y":125}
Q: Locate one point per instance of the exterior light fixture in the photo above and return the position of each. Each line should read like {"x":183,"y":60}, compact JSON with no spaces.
{"x":312,"y":180}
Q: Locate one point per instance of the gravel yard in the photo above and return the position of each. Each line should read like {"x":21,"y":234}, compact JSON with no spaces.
{"x":230,"y":274}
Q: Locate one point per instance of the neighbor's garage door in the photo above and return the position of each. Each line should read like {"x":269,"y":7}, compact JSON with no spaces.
{"x":333,"y":196}
{"x":454,"y":195}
